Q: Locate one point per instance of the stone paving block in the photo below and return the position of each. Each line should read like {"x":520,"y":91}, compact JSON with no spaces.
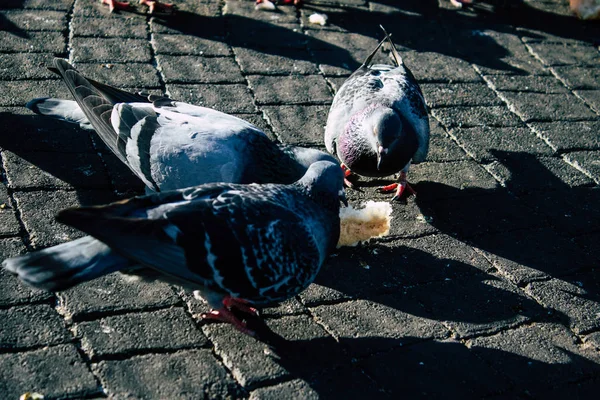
{"x":226,"y":98}
{"x":92,"y":8}
{"x":31,"y":326}
{"x":442,"y":361}
{"x":121,"y":177}
{"x":525,"y":256}
{"x":589,"y":161}
{"x":584,"y":34}
{"x":12,"y":291}
{"x":286,"y":62}
{"x":20,"y":66}
{"x":527,"y":83}
{"x":289,"y":390}
{"x":9,"y":225}
{"x":283,"y":356}
{"x":293,"y":89}
{"x":576,"y":297}
{"x":579,"y":77}
{"x":18,"y":93}
{"x":591,"y":97}
{"x":122,"y":75}
{"x":267,"y":37}
{"x":565,"y":135}
{"x":354,"y":43}
{"x":162,"y":330}
{"x":521,"y":65}
{"x":459,"y":94}
{"x":366,"y":327}
{"x":283,"y":15}
{"x":566,"y":54}
{"x":35,"y":170}
{"x":435,"y":67}
{"x":57,"y":371}
{"x":32,"y":20}
{"x":59,"y":5}
{"x":260,"y":122}
{"x":38,"y":209}
{"x":107,"y":27}
{"x":475,"y":116}
{"x":486,"y":144}
{"x":347,"y":383}
{"x":35,"y":42}
{"x":592,"y":340}
{"x":195,"y":69}
{"x":192,"y":374}
{"x":189,"y":45}
{"x":578,"y":391}
{"x":336,"y":82}
{"x":114,"y":293}
{"x":536,"y":356}
{"x":548,"y":107}
{"x":298,"y":125}
{"x":334,"y":63}
{"x":446,"y":180}
{"x":110,"y":50}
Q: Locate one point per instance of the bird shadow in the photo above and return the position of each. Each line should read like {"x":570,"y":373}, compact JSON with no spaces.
{"x":6,"y":24}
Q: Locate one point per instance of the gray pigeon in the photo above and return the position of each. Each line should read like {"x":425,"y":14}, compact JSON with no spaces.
{"x":378,"y":122}
{"x":171,"y":145}
{"x":239,"y":245}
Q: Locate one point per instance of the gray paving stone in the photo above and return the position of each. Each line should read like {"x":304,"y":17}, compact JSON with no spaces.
{"x":38,"y":209}
{"x":366,"y":327}
{"x":283,"y":15}
{"x":548,"y":107}
{"x":441,"y":147}
{"x":122,"y":75}
{"x":225,"y":98}
{"x":346,"y":383}
{"x":536,"y":356}
{"x":194,"y":373}
{"x":56,"y":372}
{"x":121,"y":177}
{"x":18,"y":93}
{"x":435,"y":67}
{"x":475,"y":116}
{"x":592,"y":340}
{"x":286,"y":62}
{"x":298,"y":125}
{"x":293,"y":89}
{"x":33,"y":20}
{"x":31,"y":326}
{"x":589,"y":161}
{"x":111,"y":50}
{"x":459,"y":94}
{"x":575,"y":297}
{"x":114,"y":293}
{"x":335,"y":63}
{"x":486,"y":144}
{"x":259,"y":121}
{"x":20,"y":66}
{"x":579,"y":390}
{"x":591,"y":97}
{"x":9,"y":225}
{"x":189,"y":45}
{"x":296,"y":336}
{"x":59,"y":5}
{"x":521,"y":65}
{"x":355,"y":43}
{"x":579,"y":77}
{"x":525,"y":256}
{"x":527,"y":83}
{"x":37,"y":170}
{"x":35,"y":42}
{"x":336,"y":82}
{"x":195,"y":69}
{"x":91,"y":8}
{"x":566,"y":54}
{"x":440,"y":360}
{"x":290,"y":390}
{"x":168,"y":329}
{"x":564,"y":135}
{"x":135,"y":28}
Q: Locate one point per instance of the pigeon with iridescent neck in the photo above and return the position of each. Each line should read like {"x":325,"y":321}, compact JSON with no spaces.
{"x":378,"y":123}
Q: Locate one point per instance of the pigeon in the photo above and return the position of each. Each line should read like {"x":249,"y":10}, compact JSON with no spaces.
{"x":172,"y":145}
{"x":378,"y":122}
{"x":152,"y":5}
{"x":240,"y":246}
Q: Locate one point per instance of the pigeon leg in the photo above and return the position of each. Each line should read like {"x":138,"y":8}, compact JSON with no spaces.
{"x":347,"y":173}
{"x":241,"y":305}
{"x":401,"y":186}
{"x":156,"y":5}
{"x":297,"y":3}
{"x":225,"y":314}
{"x":115,"y":5}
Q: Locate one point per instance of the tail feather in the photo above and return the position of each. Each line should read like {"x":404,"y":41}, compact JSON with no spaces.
{"x":65,"y":110}
{"x":63,"y":266}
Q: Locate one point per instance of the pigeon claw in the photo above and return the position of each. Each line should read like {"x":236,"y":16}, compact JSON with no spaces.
{"x":400,"y":187}
{"x":347,"y":173}
{"x":156,"y":5}
{"x":240,"y":305}
{"x":115,"y":5}
{"x":225,"y":315}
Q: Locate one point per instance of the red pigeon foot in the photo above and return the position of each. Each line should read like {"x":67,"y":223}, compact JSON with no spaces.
{"x":115,"y":5}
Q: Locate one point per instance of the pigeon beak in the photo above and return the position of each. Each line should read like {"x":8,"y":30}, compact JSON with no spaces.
{"x":342,"y":196}
{"x":380,"y":152}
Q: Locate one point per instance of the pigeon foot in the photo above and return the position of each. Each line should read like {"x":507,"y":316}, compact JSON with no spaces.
{"x":347,"y":173}
{"x":401,"y":186}
{"x":156,"y":5}
{"x":225,"y":314}
{"x":115,"y":5}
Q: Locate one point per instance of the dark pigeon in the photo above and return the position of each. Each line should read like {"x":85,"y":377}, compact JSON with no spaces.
{"x":239,"y":245}
{"x":378,"y":122}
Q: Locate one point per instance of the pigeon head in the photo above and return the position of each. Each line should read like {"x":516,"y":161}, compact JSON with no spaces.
{"x":324,"y":181}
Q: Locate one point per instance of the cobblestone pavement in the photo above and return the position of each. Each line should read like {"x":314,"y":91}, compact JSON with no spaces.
{"x":487,"y":286}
